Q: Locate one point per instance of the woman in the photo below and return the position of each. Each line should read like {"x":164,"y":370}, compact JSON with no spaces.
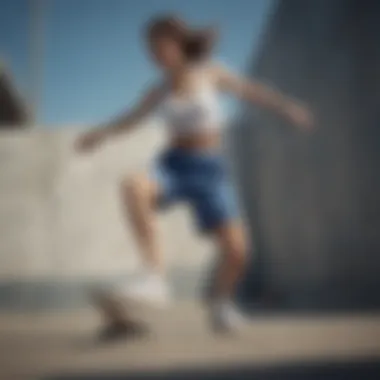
{"x":192,"y":168}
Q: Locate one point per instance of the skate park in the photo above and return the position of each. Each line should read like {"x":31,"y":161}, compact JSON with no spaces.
{"x":312,"y":203}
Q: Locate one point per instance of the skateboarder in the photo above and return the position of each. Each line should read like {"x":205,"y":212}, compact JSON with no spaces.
{"x":192,"y":168}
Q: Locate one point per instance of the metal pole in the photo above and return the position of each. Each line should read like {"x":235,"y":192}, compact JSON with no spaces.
{"x":36,"y":57}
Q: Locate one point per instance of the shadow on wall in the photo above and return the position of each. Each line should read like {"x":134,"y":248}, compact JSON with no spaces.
{"x":368,"y":370}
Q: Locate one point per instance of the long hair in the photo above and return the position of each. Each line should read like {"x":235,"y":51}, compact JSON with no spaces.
{"x":196,"y":44}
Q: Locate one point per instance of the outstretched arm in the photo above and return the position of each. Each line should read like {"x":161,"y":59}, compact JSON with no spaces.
{"x":125,"y":122}
{"x":263,"y":96}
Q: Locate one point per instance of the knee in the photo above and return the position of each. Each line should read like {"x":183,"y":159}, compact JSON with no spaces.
{"x":237,"y":252}
{"x":134,"y":188}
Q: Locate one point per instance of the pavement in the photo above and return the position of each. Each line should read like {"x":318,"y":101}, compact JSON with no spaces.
{"x":62,"y":346}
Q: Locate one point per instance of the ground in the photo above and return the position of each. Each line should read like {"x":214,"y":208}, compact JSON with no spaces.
{"x":53,"y":346}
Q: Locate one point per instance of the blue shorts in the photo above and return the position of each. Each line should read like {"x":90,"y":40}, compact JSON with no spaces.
{"x":200,"y":179}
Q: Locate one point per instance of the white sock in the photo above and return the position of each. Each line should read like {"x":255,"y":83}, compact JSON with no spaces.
{"x":153,"y":273}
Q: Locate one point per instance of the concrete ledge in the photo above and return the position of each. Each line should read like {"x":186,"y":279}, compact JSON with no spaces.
{"x":187,"y":285}
{"x":50,"y":295}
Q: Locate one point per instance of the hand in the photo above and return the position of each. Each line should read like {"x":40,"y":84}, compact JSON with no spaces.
{"x":300,"y":116}
{"x":90,"y":140}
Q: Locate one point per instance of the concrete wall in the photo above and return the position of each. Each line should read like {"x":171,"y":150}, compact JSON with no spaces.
{"x":61,"y":226}
{"x":314,"y":199}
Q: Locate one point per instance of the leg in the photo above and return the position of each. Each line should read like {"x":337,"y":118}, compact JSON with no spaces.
{"x":218,"y":214}
{"x":231,"y":241}
{"x":139,"y":195}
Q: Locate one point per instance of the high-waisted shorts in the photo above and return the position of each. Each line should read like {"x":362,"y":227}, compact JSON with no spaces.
{"x":201,"y":179}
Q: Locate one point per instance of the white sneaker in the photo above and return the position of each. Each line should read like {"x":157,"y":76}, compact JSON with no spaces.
{"x":226,"y":318}
{"x":148,"y":288}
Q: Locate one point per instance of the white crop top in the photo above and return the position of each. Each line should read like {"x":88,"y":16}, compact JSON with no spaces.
{"x":196,"y":113}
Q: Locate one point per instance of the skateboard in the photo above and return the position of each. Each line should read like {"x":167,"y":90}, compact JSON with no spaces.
{"x":123,"y":322}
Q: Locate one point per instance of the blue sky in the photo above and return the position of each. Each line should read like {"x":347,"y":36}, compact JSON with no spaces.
{"x":95,"y":63}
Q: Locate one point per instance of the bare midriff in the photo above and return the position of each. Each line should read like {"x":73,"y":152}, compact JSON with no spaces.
{"x":195,"y":142}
